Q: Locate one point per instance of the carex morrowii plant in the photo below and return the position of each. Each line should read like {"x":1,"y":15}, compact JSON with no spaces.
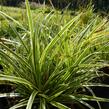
{"x":51,"y":70}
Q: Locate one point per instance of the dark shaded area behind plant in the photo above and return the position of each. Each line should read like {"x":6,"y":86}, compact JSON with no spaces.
{"x":101,"y":5}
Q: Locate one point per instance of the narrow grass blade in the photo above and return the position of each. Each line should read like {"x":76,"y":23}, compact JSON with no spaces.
{"x":9,"y":95}
{"x":16,"y":55}
{"x":15,"y":21}
{"x":42,"y":103}
{"x":16,"y":80}
{"x":33,"y":43}
{"x":10,"y":60}
{"x":87,"y":98}
{"x":86,"y":104}
{"x":19,"y":105}
{"x":96,"y":84}
{"x":20,"y":39}
{"x":58,"y":92}
{"x":31,"y":100}
{"x":59,"y":105}
{"x":29,"y":18}
{"x":91,"y":91}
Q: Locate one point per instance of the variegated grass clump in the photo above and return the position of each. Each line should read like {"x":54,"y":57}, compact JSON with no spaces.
{"x":51,"y":67}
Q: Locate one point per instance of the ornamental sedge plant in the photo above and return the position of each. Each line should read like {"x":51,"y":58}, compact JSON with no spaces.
{"x":53,"y":71}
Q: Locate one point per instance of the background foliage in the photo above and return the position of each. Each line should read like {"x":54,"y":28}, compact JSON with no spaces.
{"x":98,"y":4}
